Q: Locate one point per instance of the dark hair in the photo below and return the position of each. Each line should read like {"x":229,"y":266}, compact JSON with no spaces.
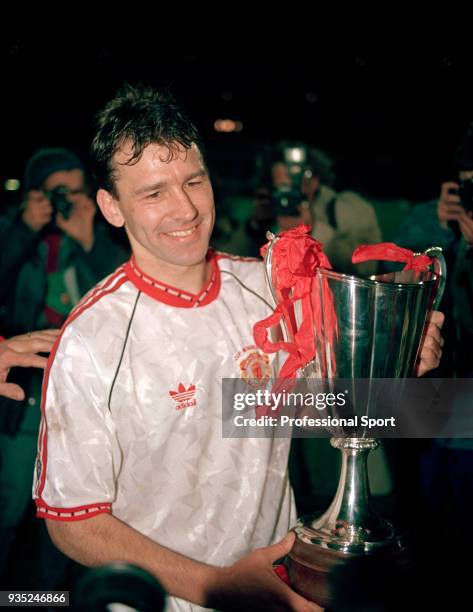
{"x":464,"y":153}
{"x":142,"y":115}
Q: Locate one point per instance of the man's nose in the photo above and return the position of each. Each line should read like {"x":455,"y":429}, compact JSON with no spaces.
{"x":185,"y":208}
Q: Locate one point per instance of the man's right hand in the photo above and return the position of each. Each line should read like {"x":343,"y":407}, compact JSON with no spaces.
{"x":251,"y":583}
{"x":38,"y":210}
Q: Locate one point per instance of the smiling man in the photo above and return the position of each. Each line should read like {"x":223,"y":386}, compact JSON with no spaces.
{"x":132,"y":465}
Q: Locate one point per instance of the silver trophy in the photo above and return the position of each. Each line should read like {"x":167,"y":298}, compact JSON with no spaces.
{"x":380,"y":322}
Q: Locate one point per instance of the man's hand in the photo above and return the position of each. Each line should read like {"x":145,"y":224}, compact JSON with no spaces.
{"x":465,"y":222}
{"x":38,"y":210}
{"x":21,"y":351}
{"x":431,"y":347}
{"x":449,"y":206}
{"x":80,"y":225}
{"x":251,"y":583}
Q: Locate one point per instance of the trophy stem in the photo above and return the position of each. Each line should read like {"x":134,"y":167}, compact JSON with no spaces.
{"x":350,"y":528}
{"x":351,"y":523}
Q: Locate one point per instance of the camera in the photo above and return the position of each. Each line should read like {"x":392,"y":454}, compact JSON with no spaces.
{"x":465,"y":192}
{"x":287,"y":197}
{"x":59,"y":201}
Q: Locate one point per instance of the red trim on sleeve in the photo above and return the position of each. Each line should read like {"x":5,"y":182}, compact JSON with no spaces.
{"x":78,"y":513}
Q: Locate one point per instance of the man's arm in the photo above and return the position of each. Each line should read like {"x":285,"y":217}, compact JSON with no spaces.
{"x":249,"y":584}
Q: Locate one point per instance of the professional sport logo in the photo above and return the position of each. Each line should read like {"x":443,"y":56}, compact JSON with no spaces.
{"x":183,"y":397}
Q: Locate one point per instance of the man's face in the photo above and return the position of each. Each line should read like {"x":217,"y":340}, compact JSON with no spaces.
{"x":167,"y":207}
{"x":281,"y":177}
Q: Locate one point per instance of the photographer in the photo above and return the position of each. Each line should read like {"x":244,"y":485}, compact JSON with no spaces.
{"x":300,"y":180}
{"x":52,"y":253}
{"x":448,"y":222}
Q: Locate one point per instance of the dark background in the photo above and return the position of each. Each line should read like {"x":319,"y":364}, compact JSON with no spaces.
{"x":390,"y":115}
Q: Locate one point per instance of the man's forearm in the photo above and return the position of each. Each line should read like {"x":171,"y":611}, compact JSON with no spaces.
{"x":104,"y":539}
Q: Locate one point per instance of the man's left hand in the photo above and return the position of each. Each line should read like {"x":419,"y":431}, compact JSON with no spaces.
{"x":431,"y":347}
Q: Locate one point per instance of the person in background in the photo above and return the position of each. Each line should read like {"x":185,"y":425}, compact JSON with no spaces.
{"x":296,"y":186}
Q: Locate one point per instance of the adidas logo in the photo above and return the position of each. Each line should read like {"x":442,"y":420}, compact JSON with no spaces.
{"x":183,"y":397}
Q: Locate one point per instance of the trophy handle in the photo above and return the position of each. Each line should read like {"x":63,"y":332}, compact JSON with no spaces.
{"x":268,"y":266}
{"x":268,"y":263}
{"x":440,"y":269}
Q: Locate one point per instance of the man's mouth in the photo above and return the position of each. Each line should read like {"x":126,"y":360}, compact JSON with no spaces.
{"x":182,"y":233}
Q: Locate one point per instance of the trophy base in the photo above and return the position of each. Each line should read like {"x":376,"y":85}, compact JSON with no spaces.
{"x":318,"y":564}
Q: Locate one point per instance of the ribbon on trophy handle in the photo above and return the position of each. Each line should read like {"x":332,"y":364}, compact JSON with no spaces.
{"x":388,"y":251}
{"x":296,"y":255}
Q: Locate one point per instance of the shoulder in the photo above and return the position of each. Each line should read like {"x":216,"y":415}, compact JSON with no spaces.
{"x":354,"y":200}
{"x":242,"y":266}
{"x":248,"y":272}
{"x":105,"y":304}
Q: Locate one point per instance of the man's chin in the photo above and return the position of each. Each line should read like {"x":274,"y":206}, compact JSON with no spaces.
{"x":188,"y":260}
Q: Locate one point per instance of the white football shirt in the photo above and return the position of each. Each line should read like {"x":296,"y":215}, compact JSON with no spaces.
{"x":132,"y":416}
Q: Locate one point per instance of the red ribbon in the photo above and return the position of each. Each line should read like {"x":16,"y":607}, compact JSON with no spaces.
{"x":295,"y":259}
{"x":388,"y":251}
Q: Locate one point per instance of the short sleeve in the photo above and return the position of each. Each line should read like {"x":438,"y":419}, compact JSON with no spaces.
{"x":78,"y":451}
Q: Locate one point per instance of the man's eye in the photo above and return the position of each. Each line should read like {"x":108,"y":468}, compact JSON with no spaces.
{"x":154,"y":195}
{"x":194,"y":183}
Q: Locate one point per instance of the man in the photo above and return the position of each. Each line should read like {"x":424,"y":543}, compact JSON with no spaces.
{"x":341,"y":221}
{"x":52,"y":250}
{"x":448,"y":222}
{"x":296,"y":186}
{"x":132,"y":464}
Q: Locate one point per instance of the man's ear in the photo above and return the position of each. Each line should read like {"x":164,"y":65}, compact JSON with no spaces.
{"x":110,"y":209}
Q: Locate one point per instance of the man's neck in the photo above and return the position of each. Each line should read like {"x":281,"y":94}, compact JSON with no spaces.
{"x":188,"y":278}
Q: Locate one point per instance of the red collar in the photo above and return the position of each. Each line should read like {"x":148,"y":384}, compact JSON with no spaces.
{"x":172,"y":295}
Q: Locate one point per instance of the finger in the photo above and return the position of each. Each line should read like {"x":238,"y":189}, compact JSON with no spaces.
{"x":45,"y":333}
{"x":437,"y":318}
{"x":452,"y":200}
{"x":10,"y":359}
{"x":433,"y":344}
{"x":33,"y":345}
{"x":447,"y":186}
{"x":282,"y":548}
{"x":429,"y":361}
{"x":50,"y":334}
{"x":452,"y":212}
{"x":38,"y":335}
{"x":12,"y":391}
{"x":433,"y":331}
{"x":16,"y":342}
